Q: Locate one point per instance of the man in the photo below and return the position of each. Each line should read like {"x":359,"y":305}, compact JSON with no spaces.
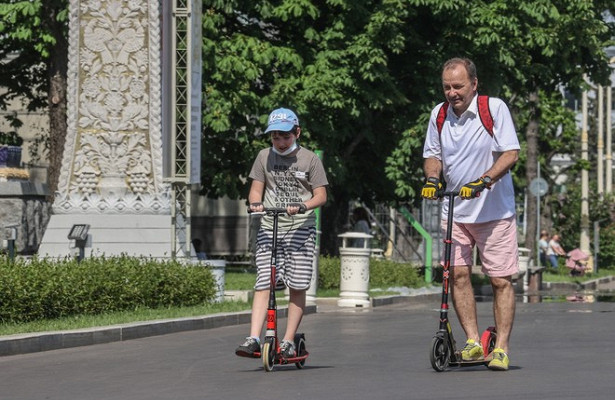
{"x":555,"y":250}
{"x":472,"y":160}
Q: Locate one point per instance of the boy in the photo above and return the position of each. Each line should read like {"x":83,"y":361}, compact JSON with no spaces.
{"x":289,"y":176}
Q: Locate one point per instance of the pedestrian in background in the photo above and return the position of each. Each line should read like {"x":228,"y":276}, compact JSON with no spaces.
{"x":543,"y":247}
{"x":555,"y":250}
{"x":360,"y":223}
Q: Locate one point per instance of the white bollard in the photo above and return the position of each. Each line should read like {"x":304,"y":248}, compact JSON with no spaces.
{"x":354,"y":271}
{"x":218,"y":269}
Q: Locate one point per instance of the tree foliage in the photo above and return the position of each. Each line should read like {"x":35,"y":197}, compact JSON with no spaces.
{"x":34,"y":54}
{"x":27,"y":40}
{"x":361,"y":74}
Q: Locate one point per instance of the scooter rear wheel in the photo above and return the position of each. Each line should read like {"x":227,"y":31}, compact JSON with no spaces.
{"x":439,"y":354}
{"x":300,"y":349}
{"x":268,"y":354}
{"x":488,"y":339}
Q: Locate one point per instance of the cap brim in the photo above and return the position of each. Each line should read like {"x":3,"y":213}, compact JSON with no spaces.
{"x":280,"y":126}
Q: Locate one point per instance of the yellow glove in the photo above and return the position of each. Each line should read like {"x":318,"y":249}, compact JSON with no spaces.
{"x":473,"y":189}
{"x":433,"y":189}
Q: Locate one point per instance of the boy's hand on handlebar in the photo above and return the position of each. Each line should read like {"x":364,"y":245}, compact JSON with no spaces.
{"x":473,"y":189}
{"x":432,"y":189}
{"x":256,"y":207}
{"x":296,"y":208}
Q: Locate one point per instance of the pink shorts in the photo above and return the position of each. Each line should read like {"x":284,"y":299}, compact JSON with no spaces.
{"x":496,"y":242}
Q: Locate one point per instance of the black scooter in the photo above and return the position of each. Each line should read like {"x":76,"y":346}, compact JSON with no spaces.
{"x":443,"y":351}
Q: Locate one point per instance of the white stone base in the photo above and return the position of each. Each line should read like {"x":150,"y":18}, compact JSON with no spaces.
{"x":353,"y":299}
{"x":110,"y":235}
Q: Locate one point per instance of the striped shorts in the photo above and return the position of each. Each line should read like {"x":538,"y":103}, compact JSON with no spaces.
{"x":295,"y":254}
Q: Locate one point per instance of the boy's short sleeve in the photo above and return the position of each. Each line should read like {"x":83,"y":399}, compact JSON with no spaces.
{"x":257,"y":172}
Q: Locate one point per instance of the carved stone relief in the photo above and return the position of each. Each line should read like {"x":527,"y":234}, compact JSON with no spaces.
{"x":113,"y":155}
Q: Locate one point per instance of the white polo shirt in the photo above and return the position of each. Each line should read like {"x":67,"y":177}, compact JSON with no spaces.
{"x":467,"y":151}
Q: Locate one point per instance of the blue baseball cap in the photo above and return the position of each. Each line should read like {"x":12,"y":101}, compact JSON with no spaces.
{"x":281,"y":119}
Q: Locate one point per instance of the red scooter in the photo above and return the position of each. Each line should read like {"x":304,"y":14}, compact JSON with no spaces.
{"x":443,"y":350}
{"x":270,"y":351}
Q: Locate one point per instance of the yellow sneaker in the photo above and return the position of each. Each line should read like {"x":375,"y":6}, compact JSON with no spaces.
{"x":499,"y":360}
{"x":472,"y":351}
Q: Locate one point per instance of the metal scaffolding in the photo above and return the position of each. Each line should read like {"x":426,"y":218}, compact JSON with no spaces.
{"x":185,"y":115}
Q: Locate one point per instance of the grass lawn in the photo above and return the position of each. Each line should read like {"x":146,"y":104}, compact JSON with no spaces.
{"x":563,"y":275}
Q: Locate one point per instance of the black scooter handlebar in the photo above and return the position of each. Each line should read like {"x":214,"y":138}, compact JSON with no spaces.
{"x":279,"y":210}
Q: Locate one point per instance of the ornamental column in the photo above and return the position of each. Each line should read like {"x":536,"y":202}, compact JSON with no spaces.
{"x":112,"y":169}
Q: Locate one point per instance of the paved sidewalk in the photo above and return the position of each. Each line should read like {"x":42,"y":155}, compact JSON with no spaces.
{"x":559,"y":350}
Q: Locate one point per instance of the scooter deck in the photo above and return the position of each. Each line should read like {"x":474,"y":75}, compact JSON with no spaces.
{"x":461,"y":363}
{"x":279,"y":360}
{"x":292,"y":360}
{"x":468,"y":363}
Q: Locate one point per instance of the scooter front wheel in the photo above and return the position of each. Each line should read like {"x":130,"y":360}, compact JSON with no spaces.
{"x":268,"y":354}
{"x":439,"y":354}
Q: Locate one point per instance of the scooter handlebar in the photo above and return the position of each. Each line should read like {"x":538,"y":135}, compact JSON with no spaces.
{"x":278,"y":210}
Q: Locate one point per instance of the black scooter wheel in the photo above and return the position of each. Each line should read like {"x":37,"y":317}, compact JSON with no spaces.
{"x":439,"y":354}
{"x":300,"y":349}
{"x":268,"y":354}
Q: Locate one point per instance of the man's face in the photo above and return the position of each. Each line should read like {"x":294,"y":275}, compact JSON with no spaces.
{"x":459,"y":90}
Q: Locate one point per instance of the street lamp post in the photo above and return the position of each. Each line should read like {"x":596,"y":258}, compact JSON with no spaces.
{"x":600,"y":144}
{"x":584,"y":239}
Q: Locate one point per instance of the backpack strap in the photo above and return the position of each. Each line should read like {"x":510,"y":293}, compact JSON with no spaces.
{"x":483,"y":112}
{"x":441,"y":117}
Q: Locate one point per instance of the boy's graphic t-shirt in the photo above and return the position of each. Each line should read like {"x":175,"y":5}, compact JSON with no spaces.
{"x":288,"y":179}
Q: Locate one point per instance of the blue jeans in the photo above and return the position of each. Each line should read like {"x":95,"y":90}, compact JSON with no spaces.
{"x":553,"y":260}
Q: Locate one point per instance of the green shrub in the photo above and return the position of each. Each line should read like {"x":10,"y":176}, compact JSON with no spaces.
{"x":328,"y":272}
{"x":606,"y":258}
{"x":44,"y":289}
{"x":382,"y":273}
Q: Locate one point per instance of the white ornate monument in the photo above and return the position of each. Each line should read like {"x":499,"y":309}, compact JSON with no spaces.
{"x":112,"y":175}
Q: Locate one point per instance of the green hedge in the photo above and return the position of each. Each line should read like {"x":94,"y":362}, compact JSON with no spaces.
{"x":382,"y":273}
{"x":44,"y":289}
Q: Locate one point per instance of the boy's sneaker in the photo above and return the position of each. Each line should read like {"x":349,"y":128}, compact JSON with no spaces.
{"x":248,"y":348}
{"x":287,"y":349}
{"x":499,"y":360}
{"x":472,"y":351}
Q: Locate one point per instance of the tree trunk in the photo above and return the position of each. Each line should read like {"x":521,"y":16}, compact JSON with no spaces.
{"x":531,"y":172}
{"x":58,"y":64}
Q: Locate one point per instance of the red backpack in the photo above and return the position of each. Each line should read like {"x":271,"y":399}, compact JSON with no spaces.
{"x":483,"y":112}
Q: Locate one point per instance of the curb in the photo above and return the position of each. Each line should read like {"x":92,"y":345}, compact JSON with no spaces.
{"x":45,"y":341}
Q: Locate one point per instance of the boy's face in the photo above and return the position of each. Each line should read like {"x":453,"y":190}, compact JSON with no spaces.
{"x":283,"y":140}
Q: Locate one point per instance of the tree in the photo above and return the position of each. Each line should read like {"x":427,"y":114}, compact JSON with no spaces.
{"x":34,"y":50}
{"x":332,"y":62}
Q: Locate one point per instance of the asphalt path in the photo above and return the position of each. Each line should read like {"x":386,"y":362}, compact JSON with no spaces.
{"x":560,"y":350}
